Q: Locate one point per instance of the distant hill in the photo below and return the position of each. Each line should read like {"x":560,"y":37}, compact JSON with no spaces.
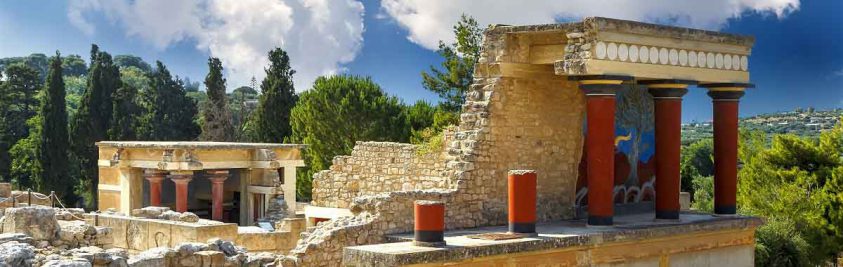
{"x":802,"y":122}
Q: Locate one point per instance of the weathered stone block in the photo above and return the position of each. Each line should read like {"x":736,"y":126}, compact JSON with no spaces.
{"x":36,"y":221}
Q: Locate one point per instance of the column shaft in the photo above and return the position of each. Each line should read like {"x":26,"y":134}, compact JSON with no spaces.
{"x":155,"y":178}
{"x":181,"y":180}
{"x":217,"y":179}
{"x":725,"y":156}
{"x":600,"y":136}
{"x":668,"y":120}
{"x":725,"y":101}
{"x":600,"y":143}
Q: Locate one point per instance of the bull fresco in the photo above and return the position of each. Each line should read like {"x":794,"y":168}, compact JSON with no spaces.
{"x":634,"y":149}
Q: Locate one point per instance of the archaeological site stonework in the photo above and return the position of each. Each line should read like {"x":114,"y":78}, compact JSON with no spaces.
{"x":233,"y":204}
{"x":515,"y":117}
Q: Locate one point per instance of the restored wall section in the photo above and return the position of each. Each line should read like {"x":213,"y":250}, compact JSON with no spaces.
{"x":516,"y":116}
{"x":377,"y":167}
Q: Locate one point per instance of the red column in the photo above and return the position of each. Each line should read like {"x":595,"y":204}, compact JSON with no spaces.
{"x":725,"y":99}
{"x":155,"y":178}
{"x":667,"y":105}
{"x":429,"y":228}
{"x":600,"y":143}
{"x":522,"y":201}
{"x":181,"y":179}
{"x":217,"y":180}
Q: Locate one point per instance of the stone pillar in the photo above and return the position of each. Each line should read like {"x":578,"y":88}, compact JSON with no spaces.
{"x":217,"y":178}
{"x":521,"y":187}
{"x":600,"y":143}
{"x":725,"y":98}
{"x":155,"y":178}
{"x":429,"y":227}
{"x":667,"y":105}
{"x":131,"y":189}
{"x":181,"y":179}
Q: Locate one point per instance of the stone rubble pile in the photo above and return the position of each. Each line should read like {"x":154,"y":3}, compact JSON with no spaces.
{"x":18,"y":249}
{"x":164,"y":213}
{"x":74,"y":234}
{"x":216,"y":252}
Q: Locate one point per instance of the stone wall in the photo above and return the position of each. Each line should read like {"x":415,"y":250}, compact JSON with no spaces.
{"x":516,"y":116}
{"x":377,"y":167}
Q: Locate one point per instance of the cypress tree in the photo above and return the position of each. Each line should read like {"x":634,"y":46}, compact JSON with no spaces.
{"x":170,"y":113}
{"x":53,"y":143}
{"x":217,"y":118}
{"x":93,"y":119}
{"x":125,"y":114}
{"x":270,"y":122}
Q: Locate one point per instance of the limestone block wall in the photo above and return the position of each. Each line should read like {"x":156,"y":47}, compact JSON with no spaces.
{"x":377,"y":167}
{"x":516,"y":116}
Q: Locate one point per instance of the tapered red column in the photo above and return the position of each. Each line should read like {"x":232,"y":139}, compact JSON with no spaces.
{"x":667,"y":106}
{"x":600,"y":135}
{"x":725,"y":98}
{"x":217,"y":180}
{"x":155,"y":178}
{"x":181,"y":179}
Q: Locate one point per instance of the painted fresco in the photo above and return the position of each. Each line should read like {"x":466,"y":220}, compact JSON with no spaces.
{"x":634,"y":149}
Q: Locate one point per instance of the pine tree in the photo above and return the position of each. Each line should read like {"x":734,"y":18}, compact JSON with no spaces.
{"x":17,"y":105}
{"x":270,"y":122}
{"x":92,"y":121}
{"x":337,"y":112}
{"x":169,"y":113}
{"x":459,"y":59}
{"x":53,"y":145}
{"x":217,"y":118}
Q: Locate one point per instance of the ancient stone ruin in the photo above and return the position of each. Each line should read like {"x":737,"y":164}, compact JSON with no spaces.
{"x":570,"y":106}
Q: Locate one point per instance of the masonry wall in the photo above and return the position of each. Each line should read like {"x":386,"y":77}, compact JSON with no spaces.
{"x":378,"y":167}
{"x":516,"y":116}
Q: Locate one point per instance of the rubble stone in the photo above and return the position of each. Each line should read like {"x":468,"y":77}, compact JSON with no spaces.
{"x":37,"y":222}
{"x":13,"y":253}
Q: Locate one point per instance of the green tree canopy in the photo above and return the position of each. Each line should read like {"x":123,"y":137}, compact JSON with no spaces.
{"x":74,"y":66}
{"x":453,"y":80}
{"x":53,"y":145}
{"x":125,"y":114}
{"x":270,"y":122}
{"x":17,"y":105}
{"x":217,"y":119}
{"x":339,"y":111}
{"x":242,"y":103}
{"x":93,"y":120}
{"x":125,"y":61}
{"x":800,"y":180}
{"x":696,"y":160}
{"x":169,"y":114}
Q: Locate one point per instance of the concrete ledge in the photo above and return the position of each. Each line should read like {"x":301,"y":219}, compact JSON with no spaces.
{"x":662,"y":237}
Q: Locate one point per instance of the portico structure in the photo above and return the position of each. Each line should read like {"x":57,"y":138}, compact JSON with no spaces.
{"x":230,"y":182}
{"x":666,"y":60}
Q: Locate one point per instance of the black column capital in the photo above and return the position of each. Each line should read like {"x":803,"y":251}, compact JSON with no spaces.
{"x":726,"y":95}
{"x":667,"y":93}
{"x":600,"y":89}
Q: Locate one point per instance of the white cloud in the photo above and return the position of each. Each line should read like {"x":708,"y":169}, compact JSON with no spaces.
{"x":429,"y":21}
{"x":319,"y":35}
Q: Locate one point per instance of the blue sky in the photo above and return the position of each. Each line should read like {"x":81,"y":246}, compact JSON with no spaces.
{"x":797,"y":60}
